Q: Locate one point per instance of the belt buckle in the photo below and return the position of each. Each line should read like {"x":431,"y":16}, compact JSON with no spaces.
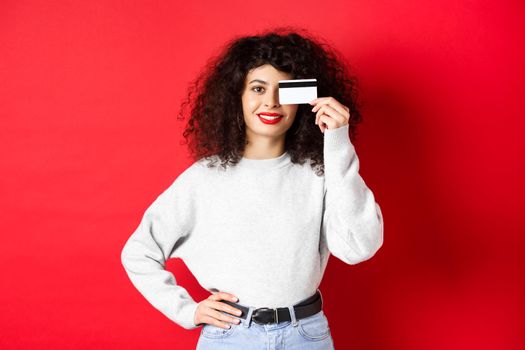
{"x":256,"y":313}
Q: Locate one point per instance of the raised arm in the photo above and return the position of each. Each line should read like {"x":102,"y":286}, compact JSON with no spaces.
{"x":352,"y":220}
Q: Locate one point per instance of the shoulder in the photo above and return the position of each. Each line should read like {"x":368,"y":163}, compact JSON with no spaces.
{"x":192,"y":174}
{"x":186,"y":180}
{"x":198,"y":172}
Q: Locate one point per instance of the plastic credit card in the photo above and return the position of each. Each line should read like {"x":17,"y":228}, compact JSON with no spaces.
{"x":297,"y":91}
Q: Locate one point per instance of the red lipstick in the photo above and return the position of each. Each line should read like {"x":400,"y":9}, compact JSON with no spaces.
{"x":272,"y":120}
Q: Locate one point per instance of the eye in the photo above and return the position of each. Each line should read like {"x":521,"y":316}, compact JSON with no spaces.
{"x":257,"y":87}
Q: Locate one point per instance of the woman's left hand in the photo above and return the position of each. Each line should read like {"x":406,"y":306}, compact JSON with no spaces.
{"x":331,"y":114}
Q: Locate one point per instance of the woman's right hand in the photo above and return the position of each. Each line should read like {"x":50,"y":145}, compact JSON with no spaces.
{"x":207,"y":311}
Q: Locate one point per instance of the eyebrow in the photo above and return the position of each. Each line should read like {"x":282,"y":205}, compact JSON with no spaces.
{"x":258,"y":81}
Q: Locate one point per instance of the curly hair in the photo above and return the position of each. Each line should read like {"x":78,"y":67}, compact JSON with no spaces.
{"x":216,"y":126}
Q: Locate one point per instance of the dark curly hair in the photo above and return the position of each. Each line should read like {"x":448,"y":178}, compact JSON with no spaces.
{"x":216,"y":125}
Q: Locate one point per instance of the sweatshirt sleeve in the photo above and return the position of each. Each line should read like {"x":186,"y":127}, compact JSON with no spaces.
{"x":352,"y":220}
{"x":145,"y":253}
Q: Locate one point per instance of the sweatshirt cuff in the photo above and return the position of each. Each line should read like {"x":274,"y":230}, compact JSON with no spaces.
{"x":337,"y":138}
{"x":188,"y":316}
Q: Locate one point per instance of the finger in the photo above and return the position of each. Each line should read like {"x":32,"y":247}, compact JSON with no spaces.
{"x":227,"y":308}
{"x":320,"y":123}
{"x":322,"y":126}
{"x":222,"y":317}
{"x":317,"y":100}
{"x":328,"y":110}
{"x":333,"y":103}
{"x":216,"y":307}
{"x":329,"y":122}
{"x":215,"y":322}
{"x":337,"y":111}
{"x":314,"y":101}
{"x":318,"y":114}
{"x":223,"y":296}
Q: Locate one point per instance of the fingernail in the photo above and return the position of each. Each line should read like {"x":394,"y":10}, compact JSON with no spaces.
{"x":234,"y":299}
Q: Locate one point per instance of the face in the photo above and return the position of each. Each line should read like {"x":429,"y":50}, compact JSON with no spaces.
{"x":261,"y":95}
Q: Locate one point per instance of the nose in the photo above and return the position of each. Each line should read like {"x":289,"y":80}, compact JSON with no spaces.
{"x":272,"y":99}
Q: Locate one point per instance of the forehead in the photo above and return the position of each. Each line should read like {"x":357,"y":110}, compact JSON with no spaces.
{"x":267,"y":72}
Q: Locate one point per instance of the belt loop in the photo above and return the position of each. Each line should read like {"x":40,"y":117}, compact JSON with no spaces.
{"x":248,"y":319}
{"x":292,"y":314}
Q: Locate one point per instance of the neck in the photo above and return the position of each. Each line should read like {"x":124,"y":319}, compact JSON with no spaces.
{"x":261,"y":147}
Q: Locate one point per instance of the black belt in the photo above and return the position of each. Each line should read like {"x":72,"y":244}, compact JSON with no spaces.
{"x":264,"y":315}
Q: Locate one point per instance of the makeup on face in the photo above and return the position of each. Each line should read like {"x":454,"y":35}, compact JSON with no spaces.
{"x":270,"y":118}
{"x":260,"y":100}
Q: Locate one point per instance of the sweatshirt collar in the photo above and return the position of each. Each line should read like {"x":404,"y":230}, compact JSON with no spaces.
{"x":270,"y":163}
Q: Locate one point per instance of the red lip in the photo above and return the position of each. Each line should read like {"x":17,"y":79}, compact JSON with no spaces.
{"x":270,"y":114}
{"x":277,"y":119}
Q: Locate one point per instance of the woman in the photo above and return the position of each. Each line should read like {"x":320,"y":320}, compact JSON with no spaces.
{"x":257,"y":231}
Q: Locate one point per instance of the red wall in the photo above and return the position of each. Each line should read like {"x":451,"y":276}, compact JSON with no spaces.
{"x":89,"y":93}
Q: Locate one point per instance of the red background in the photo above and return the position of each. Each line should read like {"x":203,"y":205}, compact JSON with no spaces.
{"x":89,"y":92}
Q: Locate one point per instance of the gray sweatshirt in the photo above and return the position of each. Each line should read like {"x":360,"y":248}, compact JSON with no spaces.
{"x":262,"y":230}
